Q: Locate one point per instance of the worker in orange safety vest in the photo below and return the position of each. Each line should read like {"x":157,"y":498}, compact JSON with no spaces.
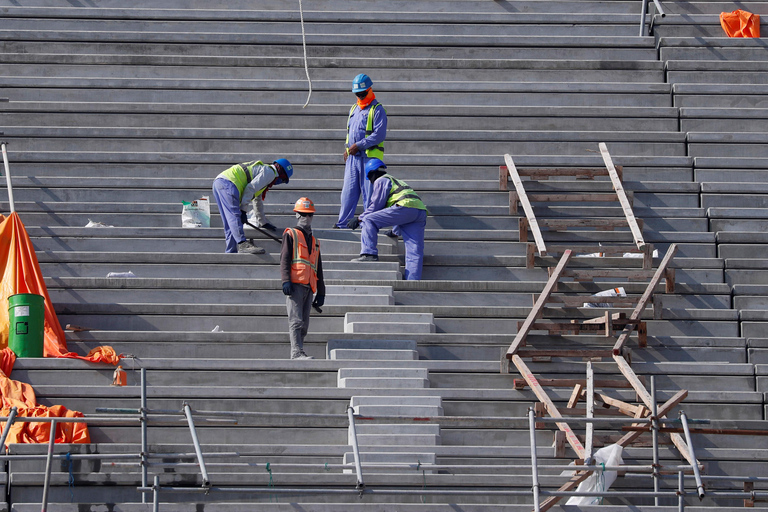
{"x":301,"y":269}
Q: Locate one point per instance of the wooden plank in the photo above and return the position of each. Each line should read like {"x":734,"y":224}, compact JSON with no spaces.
{"x":588,"y":249}
{"x":623,"y":407}
{"x":590,"y":414}
{"x":568,"y":383}
{"x":644,"y":298}
{"x":619,"y":188}
{"x":662,"y":411}
{"x":551,"y":409}
{"x":585,"y":274}
{"x":575,"y":394}
{"x":527,"y":208}
{"x":538,"y":308}
{"x":579,"y":301}
{"x":503,"y":174}
{"x":593,"y":197}
{"x":598,"y":223}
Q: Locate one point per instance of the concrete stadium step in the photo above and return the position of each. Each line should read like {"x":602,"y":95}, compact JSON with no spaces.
{"x":709,"y":119}
{"x":719,"y":95}
{"x":705,"y":48}
{"x":388,"y":322}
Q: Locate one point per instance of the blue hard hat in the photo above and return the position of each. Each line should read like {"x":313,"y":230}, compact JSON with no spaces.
{"x":373,"y":164}
{"x":286,"y":165}
{"x":361,"y":83}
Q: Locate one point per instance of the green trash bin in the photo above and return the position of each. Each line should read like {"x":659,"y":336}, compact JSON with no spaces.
{"x":27,"y":319}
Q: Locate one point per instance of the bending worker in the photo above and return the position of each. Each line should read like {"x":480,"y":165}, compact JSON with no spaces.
{"x":241,"y":187}
{"x":393,"y":203}
{"x":366,"y":131}
{"x":301,"y":269}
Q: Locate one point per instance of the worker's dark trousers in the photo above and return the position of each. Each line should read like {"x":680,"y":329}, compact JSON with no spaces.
{"x":299,"y":304}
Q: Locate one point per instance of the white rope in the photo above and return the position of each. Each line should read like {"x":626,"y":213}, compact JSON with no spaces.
{"x":304,"y":44}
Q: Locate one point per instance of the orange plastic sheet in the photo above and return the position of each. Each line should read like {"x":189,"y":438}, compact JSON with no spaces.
{"x":22,"y":396}
{"x":740,"y":23}
{"x":21,"y":274}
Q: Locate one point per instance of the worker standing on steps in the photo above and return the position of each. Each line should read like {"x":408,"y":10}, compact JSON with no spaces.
{"x":301,"y":269}
{"x":393,"y":203}
{"x":242,"y":188}
{"x":366,"y":131}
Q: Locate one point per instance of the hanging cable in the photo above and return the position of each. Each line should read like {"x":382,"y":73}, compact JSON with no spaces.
{"x":304,"y":45}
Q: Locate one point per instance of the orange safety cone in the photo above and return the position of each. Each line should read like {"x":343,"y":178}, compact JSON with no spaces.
{"x":119,"y":378}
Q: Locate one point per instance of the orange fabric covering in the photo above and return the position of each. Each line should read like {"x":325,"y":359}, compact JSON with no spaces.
{"x":22,"y":396}
{"x":21,"y":274}
{"x":740,"y":23}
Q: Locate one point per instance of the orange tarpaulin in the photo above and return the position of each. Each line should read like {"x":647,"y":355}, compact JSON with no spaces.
{"x":21,"y":274}
{"x":22,"y":396}
{"x":740,"y":23}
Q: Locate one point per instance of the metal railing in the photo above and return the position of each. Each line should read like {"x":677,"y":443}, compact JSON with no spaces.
{"x":644,"y":11}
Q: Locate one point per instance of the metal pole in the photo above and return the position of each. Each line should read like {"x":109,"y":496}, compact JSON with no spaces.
{"x":7,"y":428}
{"x":658,"y":8}
{"x":48,"y":464}
{"x":8,"y":177}
{"x":196,"y":442}
{"x":156,"y":495}
{"x":144,"y":448}
{"x":642,"y":18}
{"x":534,"y":460}
{"x":680,"y":492}
{"x":695,"y":465}
{"x":355,"y":449}
{"x":655,"y":435}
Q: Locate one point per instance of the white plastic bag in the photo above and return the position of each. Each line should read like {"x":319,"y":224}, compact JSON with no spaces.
{"x":121,"y":274}
{"x":600,"y":480}
{"x":95,"y":224}
{"x":613,"y":292}
{"x":196,"y":214}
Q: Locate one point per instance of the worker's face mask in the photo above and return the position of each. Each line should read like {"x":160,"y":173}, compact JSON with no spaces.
{"x":304,"y":221}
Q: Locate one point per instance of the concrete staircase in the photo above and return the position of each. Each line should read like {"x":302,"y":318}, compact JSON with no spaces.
{"x":118,"y":112}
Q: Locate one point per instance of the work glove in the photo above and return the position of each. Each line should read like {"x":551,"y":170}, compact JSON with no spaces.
{"x":269,"y":226}
{"x":243,"y":216}
{"x":353,"y":223}
{"x":287,"y":288}
{"x":319,"y":301}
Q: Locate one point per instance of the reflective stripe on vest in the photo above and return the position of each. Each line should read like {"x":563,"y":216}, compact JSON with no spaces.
{"x":373,"y":151}
{"x":402,"y":194}
{"x":303,"y":264}
{"x":241,"y":174}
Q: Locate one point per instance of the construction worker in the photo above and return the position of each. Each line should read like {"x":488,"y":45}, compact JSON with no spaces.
{"x":301,"y":269}
{"x":393,"y":203}
{"x":242,"y":188}
{"x":366,"y":131}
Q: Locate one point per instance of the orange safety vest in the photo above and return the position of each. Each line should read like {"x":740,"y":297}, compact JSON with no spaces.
{"x":303,"y":264}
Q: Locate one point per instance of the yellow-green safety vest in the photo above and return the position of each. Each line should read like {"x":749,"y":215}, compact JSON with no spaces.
{"x":373,"y":151}
{"x":241,"y":174}
{"x":402,"y":194}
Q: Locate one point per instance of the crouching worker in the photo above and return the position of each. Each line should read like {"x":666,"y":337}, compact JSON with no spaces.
{"x":301,"y":269}
{"x":393,"y":203}
{"x":241,"y":187}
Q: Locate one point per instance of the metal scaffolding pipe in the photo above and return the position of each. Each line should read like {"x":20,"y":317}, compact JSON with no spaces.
{"x":8,"y":176}
{"x":48,"y":464}
{"x":655,"y":436}
{"x":156,"y":494}
{"x":643,"y":10}
{"x":680,"y":492}
{"x":534,"y":460}
{"x":699,"y":485}
{"x":7,"y":428}
{"x":196,"y":442}
{"x":355,"y":448}
{"x":658,"y":8}
{"x":144,"y":448}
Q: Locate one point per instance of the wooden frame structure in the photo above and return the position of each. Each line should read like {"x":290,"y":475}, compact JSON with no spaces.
{"x":617,"y":328}
{"x":530,"y":222}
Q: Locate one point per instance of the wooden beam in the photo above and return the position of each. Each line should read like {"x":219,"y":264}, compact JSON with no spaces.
{"x":503,"y":175}
{"x":538,"y":308}
{"x":527,"y":208}
{"x":575,"y":394}
{"x":647,"y":295}
{"x":551,"y":409}
{"x":662,"y":411}
{"x":571,"y":484}
{"x":619,"y":188}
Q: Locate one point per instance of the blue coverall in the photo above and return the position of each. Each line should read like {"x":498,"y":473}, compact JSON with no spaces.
{"x":407,"y":222}
{"x":355,"y":180}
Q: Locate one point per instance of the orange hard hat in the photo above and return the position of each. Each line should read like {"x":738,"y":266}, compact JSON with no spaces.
{"x":304,"y":205}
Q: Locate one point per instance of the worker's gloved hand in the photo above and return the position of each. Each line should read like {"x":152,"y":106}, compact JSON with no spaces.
{"x":353,"y":150}
{"x":286,"y":288}
{"x":319,"y":301}
{"x":269,"y":226}
{"x":243,"y":216}
{"x":353,"y":223}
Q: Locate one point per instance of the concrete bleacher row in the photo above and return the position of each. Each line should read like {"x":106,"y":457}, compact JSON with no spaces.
{"x":118,"y":113}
